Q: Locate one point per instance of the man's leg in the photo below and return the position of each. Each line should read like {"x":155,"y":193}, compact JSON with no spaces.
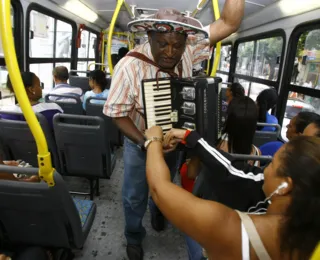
{"x":135,"y":198}
{"x":157,"y":219}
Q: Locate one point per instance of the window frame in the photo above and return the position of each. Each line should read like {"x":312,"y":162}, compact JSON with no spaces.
{"x":89,"y":60}
{"x":286,"y":85}
{"x":232,"y":50}
{"x":31,"y":60}
{"x":255,"y":38}
{"x":17,"y":33}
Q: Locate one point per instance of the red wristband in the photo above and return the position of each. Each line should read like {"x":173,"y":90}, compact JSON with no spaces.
{"x":185,"y":137}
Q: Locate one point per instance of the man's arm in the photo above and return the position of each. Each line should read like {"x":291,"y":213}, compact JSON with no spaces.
{"x":229,"y":21}
{"x":128,"y":128}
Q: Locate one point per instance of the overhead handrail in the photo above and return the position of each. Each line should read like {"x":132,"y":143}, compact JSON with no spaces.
{"x":218,"y":45}
{"x":110,"y":34}
{"x":44,"y":158}
{"x":95,"y":63}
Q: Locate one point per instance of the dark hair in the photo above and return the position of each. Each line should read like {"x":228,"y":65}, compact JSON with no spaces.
{"x":114,"y":59}
{"x":240,"y":125}
{"x":266,"y":100}
{"x":317,"y":124}
{"x":122,"y":52}
{"x":303,"y":119}
{"x":300,"y":231}
{"x":100,"y":78}
{"x":28,"y":79}
{"x":61,"y":73}
{"x":236,"y":89}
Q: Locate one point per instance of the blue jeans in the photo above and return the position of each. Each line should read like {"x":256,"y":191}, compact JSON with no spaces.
{"x":194,"y":249}
{"x":135,"y":190}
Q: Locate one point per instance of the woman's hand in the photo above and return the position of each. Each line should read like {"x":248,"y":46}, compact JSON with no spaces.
{"x":175,"y":135}
{"x":155,"y":131}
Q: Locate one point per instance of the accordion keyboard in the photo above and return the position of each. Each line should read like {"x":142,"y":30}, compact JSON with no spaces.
{"x":158,"y":104}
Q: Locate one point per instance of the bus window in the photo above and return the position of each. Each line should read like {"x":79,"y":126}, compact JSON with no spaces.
{"x":252,"y":89}
{"x":245,"y":58}
{"x":6,"y":97}
{"x":306,"y":70}
{"x":267,"y":58}
{"x":44,"y":72}
{"x":42,"y":35}
{"x":64,"y":40}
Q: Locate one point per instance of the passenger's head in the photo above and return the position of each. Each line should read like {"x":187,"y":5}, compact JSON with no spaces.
{"x":297,"y":164}
{"x":266,"y":100}
{"x":114,"y":59}
{"x":97,"y":79}
{"x":298,"y":124}
{"x":60,"y":74}
{"x":234,"y":90}
{"x":122,"y":52}
{"x":313,"y":129}
{"x":240,"y":125}
{"x":32,"y":85}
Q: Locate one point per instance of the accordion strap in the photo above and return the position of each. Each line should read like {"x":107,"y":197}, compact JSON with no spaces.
{"x":144,"y":58}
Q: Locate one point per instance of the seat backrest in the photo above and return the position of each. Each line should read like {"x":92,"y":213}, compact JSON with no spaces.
{"x":80,"y":82}
{"x":262,"y":137}
{"x":74,"y":108}
{"x":93,"y":109}
{"x":35,"y":214}
{"x":18,"y":142}
{"x":83,"y":149}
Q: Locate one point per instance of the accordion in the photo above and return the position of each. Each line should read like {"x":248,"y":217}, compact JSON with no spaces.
{"x":193,"y":103}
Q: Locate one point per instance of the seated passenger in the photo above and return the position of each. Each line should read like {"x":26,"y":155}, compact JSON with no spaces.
{"x":98,"y":84}
{"x":237,"y":135}
{"x":295,"y":128}
{"x":234,"y":90}
{"x":122,"y":52}
{"x":34,"y":92}
{"x":266,"y":100}
{"x":313,"y":129}
{"x":291,"y":184}
{"x":60,"y":77}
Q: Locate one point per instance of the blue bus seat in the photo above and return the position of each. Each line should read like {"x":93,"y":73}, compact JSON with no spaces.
{"x":83,"y":149}
{"x":262,"y":137}
{"x":17,"y":141}
{"x":93,"y":109}
{"x":34,"y":214}
{"x":270,"y":148}
{"x":74,"y":108}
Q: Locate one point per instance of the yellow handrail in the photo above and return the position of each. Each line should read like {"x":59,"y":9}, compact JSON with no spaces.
{"x":316,"y":253}
{"x":44,"y":158}
{"x":111,"y":28}
{"x":218,"y":45}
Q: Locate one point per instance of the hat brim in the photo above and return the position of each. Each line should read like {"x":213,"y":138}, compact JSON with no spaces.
{"x":166,"y":26}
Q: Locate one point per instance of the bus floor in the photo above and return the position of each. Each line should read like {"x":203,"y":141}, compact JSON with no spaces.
{"x":106,"y":239}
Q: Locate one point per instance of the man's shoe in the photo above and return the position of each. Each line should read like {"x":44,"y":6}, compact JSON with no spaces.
{"x":134,"y":252}
{"x":157,"y":220}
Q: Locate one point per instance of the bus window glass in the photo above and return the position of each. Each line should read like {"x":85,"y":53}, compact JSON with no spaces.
{"x":225,"y":57}
{"x":296,"y":105}
{"x":252,"y":89}
{"x":92,"y":45}
{"x":223,"y":76}
{"x":306,"y":70}
{"x":83,"y":50}
{"x":64,"y":38}
{"x":245,"y":58}
{"x":41,"y":35}
{"x":12,"y":22}
{"x":44,"y":72}
{"x":267,"y":58}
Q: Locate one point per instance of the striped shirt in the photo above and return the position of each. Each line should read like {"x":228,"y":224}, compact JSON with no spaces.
{"x":125,"y":96}
{"x":66,"y":89}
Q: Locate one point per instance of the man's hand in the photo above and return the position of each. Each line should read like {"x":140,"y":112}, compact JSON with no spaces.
{"x":174,"y":134}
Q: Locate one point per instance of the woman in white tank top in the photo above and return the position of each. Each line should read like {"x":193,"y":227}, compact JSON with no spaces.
{"x":288,"y":230}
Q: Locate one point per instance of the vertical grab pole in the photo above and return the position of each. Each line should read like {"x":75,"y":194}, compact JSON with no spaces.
{"x":111,"y":28}
{"x":44,"y":158}
{"x":218,"y":45}
{"x":316,"y":253}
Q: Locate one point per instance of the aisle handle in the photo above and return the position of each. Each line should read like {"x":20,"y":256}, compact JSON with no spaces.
{"x":218,"y":45}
